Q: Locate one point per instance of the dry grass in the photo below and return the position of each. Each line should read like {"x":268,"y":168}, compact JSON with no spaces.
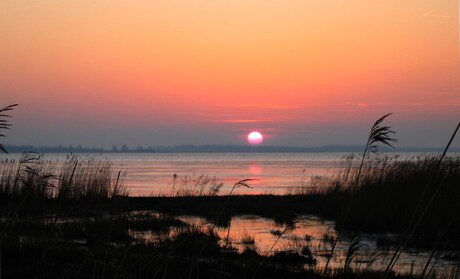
{"x":33,"y":178}
{"x":195,"y":185}
{"x":378,"y":135}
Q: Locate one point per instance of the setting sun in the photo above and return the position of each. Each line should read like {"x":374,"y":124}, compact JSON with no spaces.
{"x":255,"y":138}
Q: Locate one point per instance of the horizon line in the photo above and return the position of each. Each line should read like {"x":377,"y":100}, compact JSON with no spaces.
{"x":214,"y":148}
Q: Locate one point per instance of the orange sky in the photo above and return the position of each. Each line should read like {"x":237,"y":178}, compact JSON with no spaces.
{"x":206,"y":72}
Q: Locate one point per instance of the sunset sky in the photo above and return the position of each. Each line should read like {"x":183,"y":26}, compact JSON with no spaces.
{"x":302,"y":72}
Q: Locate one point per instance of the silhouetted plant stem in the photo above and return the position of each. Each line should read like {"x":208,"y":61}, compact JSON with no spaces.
{"x":288,"y":227}
{"x":0,"y":257}
{"x":241,"y":183}
{"x":432,"y":254}
{"x":413,"y":224}
{"x":228,"y":231}
{"x":435,"y":248}
{"x":378,"y":134}
{"x":355,"y":245}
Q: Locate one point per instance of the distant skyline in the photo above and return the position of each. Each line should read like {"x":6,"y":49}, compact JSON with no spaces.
{"x":303,"y":73}
{"x":220,"y":149}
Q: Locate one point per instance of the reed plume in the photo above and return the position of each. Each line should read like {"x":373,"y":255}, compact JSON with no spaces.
{"x":4,"y":124}
{"x":378,"y":134}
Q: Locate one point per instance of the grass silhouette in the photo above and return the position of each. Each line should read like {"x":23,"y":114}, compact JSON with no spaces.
{"x":378,"y":135}
{"x":4,"y":124}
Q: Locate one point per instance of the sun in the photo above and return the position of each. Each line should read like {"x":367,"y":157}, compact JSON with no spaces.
{"x":255,"y":138}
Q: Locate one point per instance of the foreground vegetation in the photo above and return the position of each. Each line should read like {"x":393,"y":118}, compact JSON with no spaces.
{"x":389,"y":192}
{"x":77,"y":221}
{"x":103,"y":247}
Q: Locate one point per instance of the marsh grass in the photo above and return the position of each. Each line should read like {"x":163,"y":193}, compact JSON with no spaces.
{"x":196,"y":185}
{"x":247,"y":239}
{"x":390,"y":188}
{"x":89,"y":178}
{"x":379,"y":134}
{"x":353,"y":248}
{"x":422,"y":209}
{"x":313,"y":185}
{"x":32,"y":179}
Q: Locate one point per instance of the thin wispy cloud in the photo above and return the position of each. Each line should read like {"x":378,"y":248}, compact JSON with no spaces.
{"x":382,"y":103}
{"x":242,"y":120}
{"x":282,"y":107}
{"x":432,"y":13}
{"x":413,"y":58}
{"x":264,"y":130}
{"x":361,"y":104}
{"x":267,"y":106}
{"x":428,"y":13}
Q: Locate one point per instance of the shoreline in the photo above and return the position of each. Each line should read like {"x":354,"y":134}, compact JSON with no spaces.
{"x":221,"y":209}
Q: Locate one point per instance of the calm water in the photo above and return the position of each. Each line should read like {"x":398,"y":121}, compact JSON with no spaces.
{"x":156,"y":174}
{"x":276,"y":173}
{"x":317,"y":234}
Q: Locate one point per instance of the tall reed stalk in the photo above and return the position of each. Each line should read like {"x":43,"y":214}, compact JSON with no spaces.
{"x":4,"y":125}
{"x":378,"y":134}
{"x":416,"y":217}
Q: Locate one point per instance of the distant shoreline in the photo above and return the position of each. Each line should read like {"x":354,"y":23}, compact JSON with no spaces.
{"x":215,"y":149}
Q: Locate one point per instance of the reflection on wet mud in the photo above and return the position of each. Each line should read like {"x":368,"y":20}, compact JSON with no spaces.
{"x":311,"y":237}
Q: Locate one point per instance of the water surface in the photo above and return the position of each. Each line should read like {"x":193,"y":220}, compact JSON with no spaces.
{"x":153,"y":174}
{"x":273,"y":173}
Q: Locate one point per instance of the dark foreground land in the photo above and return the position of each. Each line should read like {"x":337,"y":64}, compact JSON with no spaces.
{"x":93,"y":239}
{"x":80,"y":223}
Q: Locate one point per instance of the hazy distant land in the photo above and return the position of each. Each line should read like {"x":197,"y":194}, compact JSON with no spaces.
{"x":212,"y":149}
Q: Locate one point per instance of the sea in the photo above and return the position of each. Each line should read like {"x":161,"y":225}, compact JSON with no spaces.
{"x":269,"y":173}
{"x":165,"y":174}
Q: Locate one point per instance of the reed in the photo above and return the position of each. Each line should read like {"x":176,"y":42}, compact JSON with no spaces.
{"x":378,"y":135}
{"x":355,"y":245}
{"x":390,"y":188}
{"x":422,"y":208}
{"x":89,"y":178}
{"x":4,"y":123}
{"x":73,"y":179}
{"x":32,"y":185}
{"x":196,"y":185}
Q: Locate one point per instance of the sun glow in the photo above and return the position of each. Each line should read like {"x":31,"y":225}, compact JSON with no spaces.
{"x":210,"y":71}
{"x":255,"y":138}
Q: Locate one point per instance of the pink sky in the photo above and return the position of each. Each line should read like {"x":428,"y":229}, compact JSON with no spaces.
{"x":313,"y":72}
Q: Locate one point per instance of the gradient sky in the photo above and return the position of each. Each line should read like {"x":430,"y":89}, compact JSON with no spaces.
{"x":302,"y":72}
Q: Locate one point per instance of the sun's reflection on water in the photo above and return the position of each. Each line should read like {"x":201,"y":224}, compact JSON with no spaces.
{"x":267,"y":238}
{"x":255,"y":169}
